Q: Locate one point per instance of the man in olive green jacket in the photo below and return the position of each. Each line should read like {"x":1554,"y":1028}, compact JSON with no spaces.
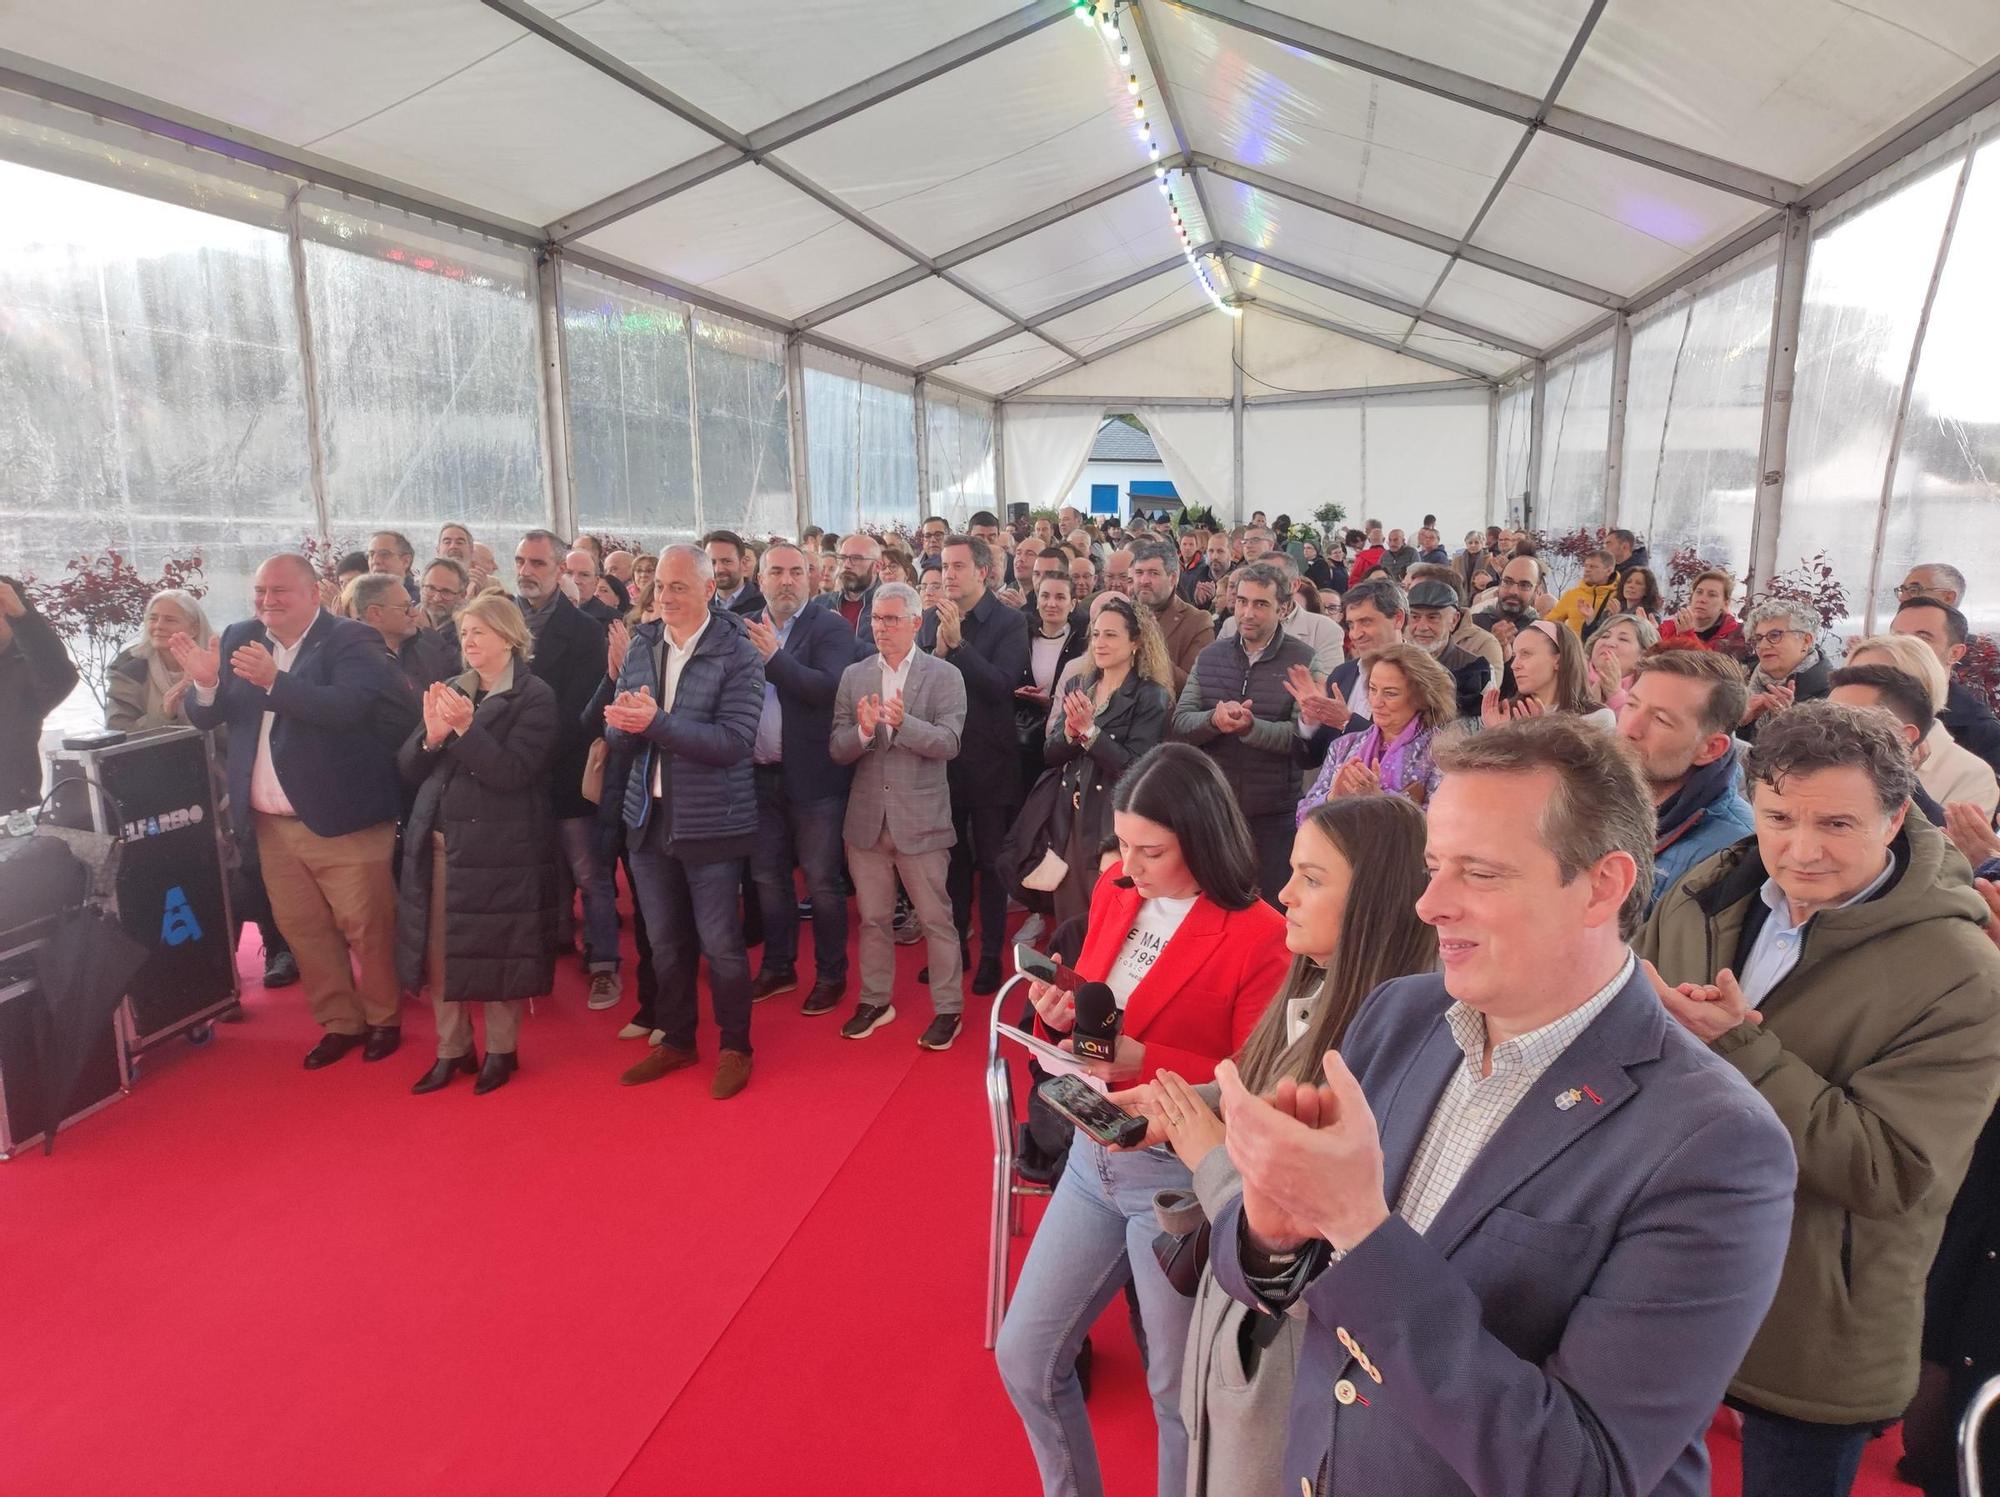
{"x":1838,"y":960}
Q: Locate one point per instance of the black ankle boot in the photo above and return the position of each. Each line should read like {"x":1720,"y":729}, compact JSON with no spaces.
{"x":500,"y":1064}
{"x":435,"y":1078}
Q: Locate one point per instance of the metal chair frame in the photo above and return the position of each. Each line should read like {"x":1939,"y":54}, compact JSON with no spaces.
{"x":1009,"y":1188}
{"x":1968,"y":1435}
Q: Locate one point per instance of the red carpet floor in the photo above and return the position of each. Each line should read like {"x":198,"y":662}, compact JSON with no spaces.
{"x":250,"y":1279}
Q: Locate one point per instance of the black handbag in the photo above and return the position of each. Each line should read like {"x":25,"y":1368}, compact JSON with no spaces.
{"x":1042,"y":824}
{"x":1182,"y":1258}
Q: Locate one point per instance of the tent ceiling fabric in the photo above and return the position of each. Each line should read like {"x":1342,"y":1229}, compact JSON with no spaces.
{"x":1788,"y":86}
{"x":1149,"y":304}
{"x":1332,"y":128}
{"x":1350,"y":251}
{"x":887,"y":147}
{"x":751,"y":236}
{"x":749,"y":65}
{"x":1011,"y":362}
{"x":1282,"y":357}
{"x":918,"y":323}
{"x":1510,"y":306}
{"x":1190,"y":360}
{"x":1263,"y":284}
{"x":1086,"y":250}
{"x":1038,"y":121}
{"x":1518,"y":46}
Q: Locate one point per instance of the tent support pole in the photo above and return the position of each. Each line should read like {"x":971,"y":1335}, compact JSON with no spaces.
{"x":555,"y":389}
{"x":1895,"y":453}
{"x":308,"y":373}
{"x":1492,"y":452}
{"x":923,"y":450}
{"x":1614,"y":447}
{"x":1536,"y":417}
{"x":1000,"y":460}
{"x":1781,"y":368}
{"x":1236,"y":417}
{"x":795,"y":401}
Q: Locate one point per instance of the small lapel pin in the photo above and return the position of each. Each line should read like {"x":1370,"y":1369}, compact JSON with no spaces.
{"x":1568,"y":1099}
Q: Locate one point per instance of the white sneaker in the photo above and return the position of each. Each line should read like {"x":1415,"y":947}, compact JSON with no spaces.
{"x":656,"y":1037}
{"x":1031,"y":930}
{"x":634,"y":1032}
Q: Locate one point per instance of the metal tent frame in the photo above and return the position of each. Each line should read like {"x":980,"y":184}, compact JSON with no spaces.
{"x":1790,"y":206}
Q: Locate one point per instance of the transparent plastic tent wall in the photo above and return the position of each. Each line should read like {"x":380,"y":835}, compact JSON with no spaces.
{"x":199,"y":355}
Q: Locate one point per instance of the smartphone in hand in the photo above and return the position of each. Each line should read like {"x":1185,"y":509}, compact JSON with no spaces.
{"x":1045,"y":968}
{"x":1105,"y":1121}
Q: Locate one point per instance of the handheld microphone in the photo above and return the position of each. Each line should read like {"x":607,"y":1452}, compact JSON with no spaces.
{"x":1095,"y":1032}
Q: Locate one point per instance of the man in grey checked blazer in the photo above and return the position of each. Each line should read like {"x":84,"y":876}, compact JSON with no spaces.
{"x":897,"y":718}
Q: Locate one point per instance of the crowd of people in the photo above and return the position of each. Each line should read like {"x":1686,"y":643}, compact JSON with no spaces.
{"x":1554,"y":1014}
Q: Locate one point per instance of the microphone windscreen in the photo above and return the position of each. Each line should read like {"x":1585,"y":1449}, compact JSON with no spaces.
{"x":1097,"y":1011}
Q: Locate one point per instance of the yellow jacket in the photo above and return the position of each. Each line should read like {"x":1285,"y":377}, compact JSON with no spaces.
{"x":1581,"y":604}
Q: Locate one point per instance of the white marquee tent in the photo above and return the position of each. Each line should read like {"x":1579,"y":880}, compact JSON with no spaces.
{"x":276,"y":268}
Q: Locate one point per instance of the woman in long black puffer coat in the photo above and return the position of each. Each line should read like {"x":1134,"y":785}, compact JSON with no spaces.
{"x":477,"y":917}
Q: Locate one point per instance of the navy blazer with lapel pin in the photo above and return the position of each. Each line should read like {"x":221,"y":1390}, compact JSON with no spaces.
{"x":340,"y":712}
{"x":1572,"y":1315}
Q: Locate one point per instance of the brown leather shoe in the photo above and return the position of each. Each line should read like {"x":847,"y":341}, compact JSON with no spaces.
{"x":732,"y":1074}
{"x":661,"y":1060}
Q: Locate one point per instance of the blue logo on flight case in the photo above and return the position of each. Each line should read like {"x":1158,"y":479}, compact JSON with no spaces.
{"x":177,"y":924}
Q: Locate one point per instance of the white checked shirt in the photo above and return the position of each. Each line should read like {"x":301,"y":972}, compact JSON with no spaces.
{"x":894,"y":679}
{"x":1474,"y":1106}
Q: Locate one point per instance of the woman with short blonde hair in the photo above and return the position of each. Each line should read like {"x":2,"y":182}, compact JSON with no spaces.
{"x":476,"y":913}
{"x":1909,"y":655}
{"x":502,"y":615}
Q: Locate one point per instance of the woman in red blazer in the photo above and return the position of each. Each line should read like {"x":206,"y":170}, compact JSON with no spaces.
{"x":1193,"y":956}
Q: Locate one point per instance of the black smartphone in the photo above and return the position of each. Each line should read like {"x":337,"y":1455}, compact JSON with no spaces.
{"x":1093,"y":1112}
{"x":1045,"y":968}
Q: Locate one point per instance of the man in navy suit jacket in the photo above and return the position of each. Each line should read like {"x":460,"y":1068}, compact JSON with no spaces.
{"x":988,"y":642}
{"x":1590,"y":1210}
{"x":315,"y":712}
{"x":801,"y":792}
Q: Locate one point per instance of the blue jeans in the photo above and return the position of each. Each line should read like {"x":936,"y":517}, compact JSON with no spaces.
{"x":1794,"y":1458}
{"x":800,"y":834}
{"x":592,"y":873}
{"x":1097,"y":1233}
{"x":691,"y":912}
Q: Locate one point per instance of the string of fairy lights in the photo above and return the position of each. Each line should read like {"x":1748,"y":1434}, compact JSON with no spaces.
{"x":1173,"y":181}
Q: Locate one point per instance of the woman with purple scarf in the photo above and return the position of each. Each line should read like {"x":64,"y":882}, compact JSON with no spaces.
{"x":1410,"y":699}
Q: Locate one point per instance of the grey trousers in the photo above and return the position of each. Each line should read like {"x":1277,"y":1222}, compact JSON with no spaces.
{"x":454,"y":1020}
{"x":874,"y":871}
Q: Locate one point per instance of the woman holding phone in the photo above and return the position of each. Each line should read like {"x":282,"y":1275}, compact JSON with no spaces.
{"x":1192,"y":957}
{"x":1348,"y":934}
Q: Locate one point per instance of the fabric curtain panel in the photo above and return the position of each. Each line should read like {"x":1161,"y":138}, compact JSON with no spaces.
{"x":1198,"y":446}
{"x":1046,"y":448}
